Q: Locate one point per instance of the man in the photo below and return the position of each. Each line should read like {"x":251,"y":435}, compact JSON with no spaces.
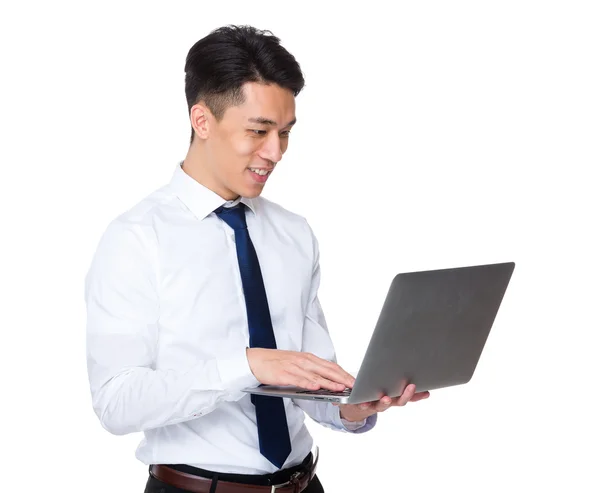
{"x":205,"y":288}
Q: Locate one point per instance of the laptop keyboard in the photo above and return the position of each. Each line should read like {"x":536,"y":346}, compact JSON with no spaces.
{"x":326,"y":392}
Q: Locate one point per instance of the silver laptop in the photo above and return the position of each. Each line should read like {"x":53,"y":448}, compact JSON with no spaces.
{"x":431,"y":332}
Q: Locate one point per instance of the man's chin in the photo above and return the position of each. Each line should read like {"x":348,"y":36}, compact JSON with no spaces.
{"x":251,"y":193}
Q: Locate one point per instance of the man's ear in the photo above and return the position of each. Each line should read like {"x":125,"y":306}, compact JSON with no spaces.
{"x":200,"y":118}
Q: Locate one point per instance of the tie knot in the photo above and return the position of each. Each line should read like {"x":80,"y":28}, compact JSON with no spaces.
{"x":234,"y":216}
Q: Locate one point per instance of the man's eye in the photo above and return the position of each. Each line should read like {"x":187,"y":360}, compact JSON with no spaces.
{"x":259,"y":132}
{"x":285,"y":133}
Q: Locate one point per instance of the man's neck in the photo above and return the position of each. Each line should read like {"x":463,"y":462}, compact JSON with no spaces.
{"x":194,"y":166}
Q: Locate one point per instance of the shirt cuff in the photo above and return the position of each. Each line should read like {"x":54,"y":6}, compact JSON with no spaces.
{"x":236,"y":374}
{"x":353,"y":426}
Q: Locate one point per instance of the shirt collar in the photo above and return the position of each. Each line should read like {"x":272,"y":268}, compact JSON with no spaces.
{"x":200,"y":200}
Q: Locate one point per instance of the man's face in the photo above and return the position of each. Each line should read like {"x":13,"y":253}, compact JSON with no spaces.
{"x":244,"y":147}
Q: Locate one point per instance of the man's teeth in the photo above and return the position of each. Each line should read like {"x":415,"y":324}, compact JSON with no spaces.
{"x":261,"y":172}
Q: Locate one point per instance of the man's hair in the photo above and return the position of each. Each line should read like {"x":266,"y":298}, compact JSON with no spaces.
{"x":219,"y":65}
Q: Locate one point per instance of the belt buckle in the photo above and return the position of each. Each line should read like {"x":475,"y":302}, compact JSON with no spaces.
{"x":294,"y":477}
{"x":293,"y":480}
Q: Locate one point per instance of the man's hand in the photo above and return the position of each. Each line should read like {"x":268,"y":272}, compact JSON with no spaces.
{"x":358,"y":412}
{"x":279,"y":367}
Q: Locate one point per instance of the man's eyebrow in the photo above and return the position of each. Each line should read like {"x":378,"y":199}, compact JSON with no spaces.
{"x":266,"y":121}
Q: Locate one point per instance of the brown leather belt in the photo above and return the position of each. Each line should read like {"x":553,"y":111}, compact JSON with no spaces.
{"x":197,"y":484}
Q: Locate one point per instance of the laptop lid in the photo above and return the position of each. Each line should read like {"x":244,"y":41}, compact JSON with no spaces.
{"x":432,"y":330}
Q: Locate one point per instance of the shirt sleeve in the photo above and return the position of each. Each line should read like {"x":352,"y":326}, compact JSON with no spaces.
{"x":128,"y":393}
{"x":316,"y":340}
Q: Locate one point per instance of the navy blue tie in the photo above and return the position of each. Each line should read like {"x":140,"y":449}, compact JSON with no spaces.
{"x":273,"y":432}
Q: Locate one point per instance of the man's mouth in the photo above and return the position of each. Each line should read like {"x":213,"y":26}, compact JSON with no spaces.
{"x":260,"y":175}
{"x":261,"y":171}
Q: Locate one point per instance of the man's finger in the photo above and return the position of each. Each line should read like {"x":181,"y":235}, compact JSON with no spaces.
{"x":406,"y":396}
{"x":306,"y":379}
{"x":419,"y":396}
{"x":348,"y":378}
{"x":383,"y":404}
{"x":328,"y":370}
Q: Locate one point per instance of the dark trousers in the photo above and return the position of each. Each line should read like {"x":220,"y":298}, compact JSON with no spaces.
{"x":155,"y":486}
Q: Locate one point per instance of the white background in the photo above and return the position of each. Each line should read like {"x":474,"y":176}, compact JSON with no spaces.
{"x":430,"y":134}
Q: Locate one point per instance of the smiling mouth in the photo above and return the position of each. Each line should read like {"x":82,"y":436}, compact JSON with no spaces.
{"x":261,"y":171}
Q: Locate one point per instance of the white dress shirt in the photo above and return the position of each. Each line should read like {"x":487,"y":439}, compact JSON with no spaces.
{"x":167,"y":328}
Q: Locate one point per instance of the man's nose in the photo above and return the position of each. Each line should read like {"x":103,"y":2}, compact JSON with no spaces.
{"x":271,"y":149}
